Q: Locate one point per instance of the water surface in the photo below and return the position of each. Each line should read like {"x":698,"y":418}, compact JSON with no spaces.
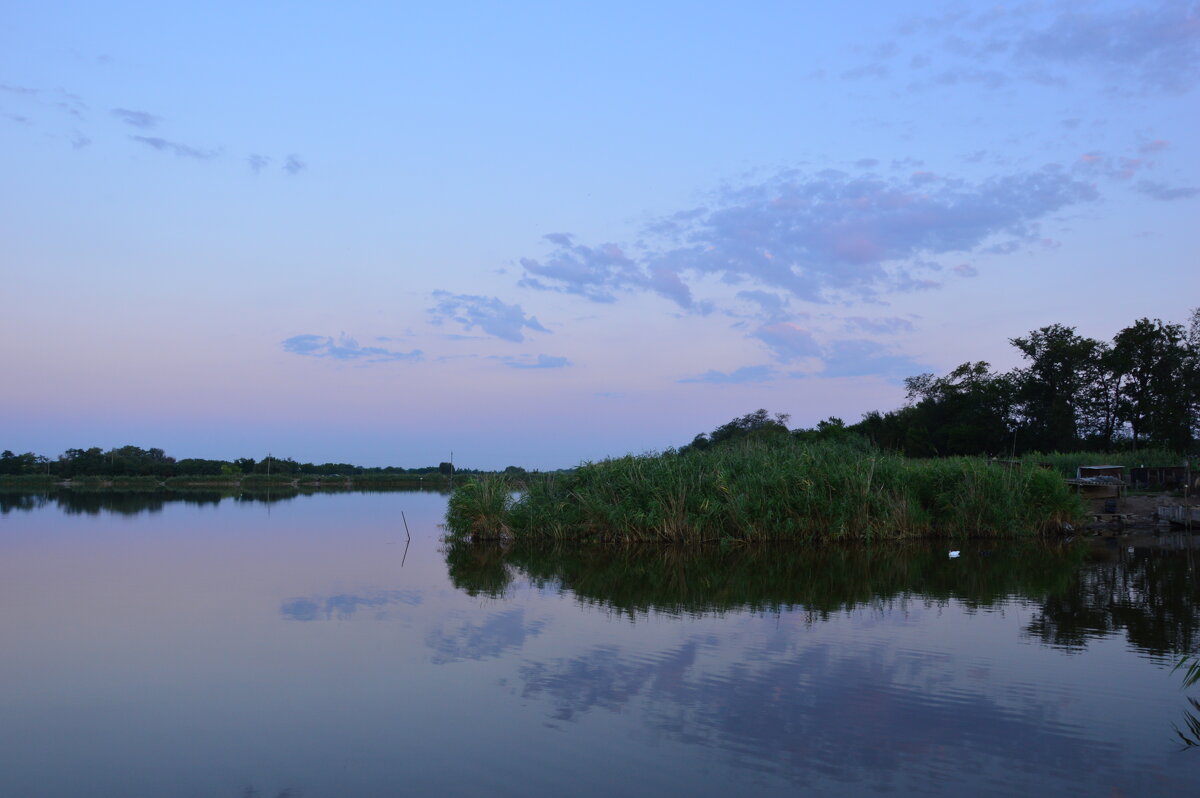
{"x":233,"y":647}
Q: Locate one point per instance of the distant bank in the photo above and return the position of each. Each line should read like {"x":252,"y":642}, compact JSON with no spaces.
{"x":248,"y":482}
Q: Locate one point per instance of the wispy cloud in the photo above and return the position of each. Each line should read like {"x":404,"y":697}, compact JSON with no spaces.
{"x":854,"y":357}
{"x":70,"y":104}
{"x":834,"y":235}
{"x":828,"y":236}
{"x":181,"y":150}
{"x":1155,"y":44}
{"x":1118,"y":167}
{"x":879,"y":326}
{"x":139,"y":119}
{"x":489,"y":314}
{"x":788,"y":342}
{"x":58,"y":99}
{"x":344,"y":348}
{"x":1161,"y":191}
{"x":771,"y":305}
{"x":1133,"y":46}
{"x":746,"y":374}
{"x":861,"y":358}
{"x":530,"y":362}
{"x":23,"y":90}
{"x":597,"y":272}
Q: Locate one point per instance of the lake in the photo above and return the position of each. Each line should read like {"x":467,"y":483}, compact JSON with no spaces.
{"x":228,"y":647}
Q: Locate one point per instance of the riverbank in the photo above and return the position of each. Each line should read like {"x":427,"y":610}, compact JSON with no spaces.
{"x":757,"y":491}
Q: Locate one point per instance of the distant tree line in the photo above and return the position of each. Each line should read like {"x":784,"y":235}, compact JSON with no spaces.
{"x":135,"y":461}
{"x":1141,"y":390}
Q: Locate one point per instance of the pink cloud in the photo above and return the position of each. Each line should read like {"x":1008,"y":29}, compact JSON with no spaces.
{"x":857,"y":247}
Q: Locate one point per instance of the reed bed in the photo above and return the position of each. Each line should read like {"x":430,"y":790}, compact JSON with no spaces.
{"x":28,"y":481}
{"x":1065,"y":463}
{"x":760,"y":491}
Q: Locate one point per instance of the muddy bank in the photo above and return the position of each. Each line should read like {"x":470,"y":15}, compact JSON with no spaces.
{"x":1131,"y":515}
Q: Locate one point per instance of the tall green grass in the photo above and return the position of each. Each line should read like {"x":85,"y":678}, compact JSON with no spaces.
{"x":1065,"y":463}
{"x":28,"y":481}
{"x":757,"y":491}
{"x":481,"y":507}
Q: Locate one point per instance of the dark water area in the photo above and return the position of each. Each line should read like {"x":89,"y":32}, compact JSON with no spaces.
{"x":214,"y":645}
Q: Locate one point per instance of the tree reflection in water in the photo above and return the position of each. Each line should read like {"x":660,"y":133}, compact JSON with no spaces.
{"x":1081,"y":592}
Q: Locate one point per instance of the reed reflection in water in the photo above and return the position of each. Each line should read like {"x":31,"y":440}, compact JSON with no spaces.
{"x":1081,"y":592}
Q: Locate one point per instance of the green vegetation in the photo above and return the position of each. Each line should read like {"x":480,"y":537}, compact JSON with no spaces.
{"x":28,"y":481}
{"x":1065,"y":463}
{"x":1141,"y":391}
{"x":1191,"y":670}
{"x":766,"y":487}
{"x":150,"y":467}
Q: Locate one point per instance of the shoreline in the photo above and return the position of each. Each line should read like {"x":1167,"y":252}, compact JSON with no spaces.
{"x":245,"y":482}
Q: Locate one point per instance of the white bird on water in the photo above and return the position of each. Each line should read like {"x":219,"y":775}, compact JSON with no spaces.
{"x":954,"y":554}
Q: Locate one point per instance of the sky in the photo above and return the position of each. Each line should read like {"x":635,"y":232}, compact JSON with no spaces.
{"x":538,"y":234}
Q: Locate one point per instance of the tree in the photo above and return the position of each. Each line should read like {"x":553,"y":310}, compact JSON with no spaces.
{"x":969,"y":411}
{"x":446,"y":469}
{"x":27,"y":463}
{"x":1192,"y":345}
{"x":82,"y":462}
{"x":1099,"y":401}
{"x":760,"y":423}
{"x":1155,"y":398}
{"x":1048,"y":392}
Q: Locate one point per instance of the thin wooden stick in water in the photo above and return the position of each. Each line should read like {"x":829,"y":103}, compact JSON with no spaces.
{"x":406,"y":532}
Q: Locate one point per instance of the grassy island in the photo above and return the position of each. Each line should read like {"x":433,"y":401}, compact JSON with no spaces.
{"x":766,"y":489}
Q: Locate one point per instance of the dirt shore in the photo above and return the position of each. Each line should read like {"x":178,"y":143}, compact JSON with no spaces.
{"x":1134,"y":514}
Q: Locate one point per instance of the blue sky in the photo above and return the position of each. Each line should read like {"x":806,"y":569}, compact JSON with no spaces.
{"x":541,"y":233}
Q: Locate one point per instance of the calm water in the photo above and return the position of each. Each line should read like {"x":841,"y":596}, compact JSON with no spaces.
{"x":236,"y":648}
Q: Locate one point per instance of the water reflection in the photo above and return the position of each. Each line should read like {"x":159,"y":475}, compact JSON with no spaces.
{"x":252,"y":792}
{"x":1081,"y":593}
{"x":227,"y":661}
{"x":95,"y":502}
{"x":823,"y":691}
{"x":84,"y":501}
{"x":822,"y":711}
{"x":1149,"y":595}
{"x":465,"y":637}
{"x":700,"y":580}
{"x":344,"y":606}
